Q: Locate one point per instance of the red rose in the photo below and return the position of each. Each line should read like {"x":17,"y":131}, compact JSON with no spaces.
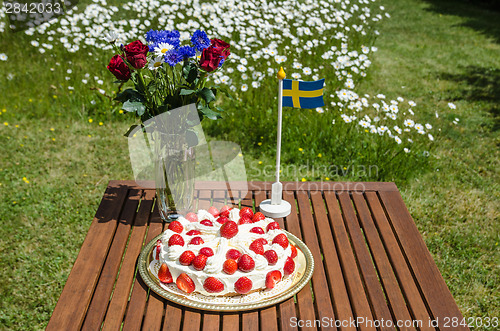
{"x":213,"y":56}
{"x":217,"y":43}
{"x":136,"y":53}
{"x":119,"y":68}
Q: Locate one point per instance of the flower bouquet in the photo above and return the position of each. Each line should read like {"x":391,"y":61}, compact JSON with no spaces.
{"x":169,"y":89}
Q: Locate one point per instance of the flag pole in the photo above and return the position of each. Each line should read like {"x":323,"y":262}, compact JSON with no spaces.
{"x":276,"y":206}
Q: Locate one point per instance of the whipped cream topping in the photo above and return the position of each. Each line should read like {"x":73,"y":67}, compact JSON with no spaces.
{"x":220,"y":245}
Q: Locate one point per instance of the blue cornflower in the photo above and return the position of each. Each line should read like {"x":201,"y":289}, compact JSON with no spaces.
{"x":172,"y":57}
{"x":163,"y":36}
{"x":187,"y":51}
{"x":200,"y":40}
{"x":151,"y":36}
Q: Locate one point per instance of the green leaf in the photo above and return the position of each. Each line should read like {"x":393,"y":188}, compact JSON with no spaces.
{"x":132,"y":128}
{"x":190,"y":72}
{"x":129,"y":95}
{"x":226,"y":92}
{"x":152,"y":87}
{"x":191,"y":138}
{"x":187,"y":92}
{"x":206,"y":111}
{"x":207,"y":95}
{"x":134,"y":106}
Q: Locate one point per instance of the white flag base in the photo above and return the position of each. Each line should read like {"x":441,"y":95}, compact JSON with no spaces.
{"x":275,"y":211}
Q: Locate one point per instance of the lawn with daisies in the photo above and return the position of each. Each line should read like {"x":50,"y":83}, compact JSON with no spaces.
{"x":411,"y":96}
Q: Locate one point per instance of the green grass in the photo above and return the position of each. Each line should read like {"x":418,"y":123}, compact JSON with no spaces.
{"x":432,"y":52}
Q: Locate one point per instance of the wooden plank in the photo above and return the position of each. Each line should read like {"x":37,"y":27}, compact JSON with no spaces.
{"x":154,"y":312}
{"x":387,"y":277}
{"x":368,"y":271}
{"x":71,"y":308}
{"x":154,"y":308}
{"x":219,"y":198}
{"x":250,"y":321}
{"x":304,"y":297}
{"x":407,"y":284}
{"x":230,"y":322}
{"x":192,"y":320}
{"x":287,"y":314}
{"x":359,"y":302}
{"x":322,"y":297}
{"x":173,"y":317}
{"x":431,"y":283}
{"x":211,"y":321}
{"x":137,"y":304}
{"x":118,"y":304}
{"x":204,"y":199}
{"x":333,"y":270}
{"x":100,"y":300}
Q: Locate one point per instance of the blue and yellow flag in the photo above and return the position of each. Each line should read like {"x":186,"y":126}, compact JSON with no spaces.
{"x":299,"y":94}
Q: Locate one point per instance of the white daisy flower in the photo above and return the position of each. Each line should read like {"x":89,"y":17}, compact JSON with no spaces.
{"x":110,"y":36}
{"x":244,"y":76}
{"x":244,"y":87}
{"x":398,"y":140}
{"x":409,"y":123}
{"x":364,"y":124}
{"x":297,"y":65}
{"x":307,"y":71}
{"x":320,"y":110}
{"x":419,"y":127}
{"x":296,"y":75}
{"x":431,"y":138}
{"x":406,"y":150}
{"x":255,"y":84}
{"x":241,"y":68}
{"x":428,"y":126}
{"x":155,"y":62}
{"x":412,"y":103}
{"x":162,"y":48}
{"x":451,"y":105}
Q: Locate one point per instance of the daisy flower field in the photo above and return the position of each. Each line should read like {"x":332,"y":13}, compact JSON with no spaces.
{"x":411,"y":96}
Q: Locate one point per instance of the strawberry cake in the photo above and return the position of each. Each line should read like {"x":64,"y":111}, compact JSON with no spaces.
{"x":224,"y":253}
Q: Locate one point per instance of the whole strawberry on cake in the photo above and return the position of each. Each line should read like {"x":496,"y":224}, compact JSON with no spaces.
{"x":224,"y":253}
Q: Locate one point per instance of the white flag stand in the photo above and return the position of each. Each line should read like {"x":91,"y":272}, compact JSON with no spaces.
{"x":276,"y":206}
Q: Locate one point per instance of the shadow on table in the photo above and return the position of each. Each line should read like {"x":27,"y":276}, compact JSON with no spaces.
{"x":478,"y":84}
{"x":480,"y":15}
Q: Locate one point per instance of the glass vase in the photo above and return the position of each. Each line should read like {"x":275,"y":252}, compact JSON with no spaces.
{"x":174,"y":175}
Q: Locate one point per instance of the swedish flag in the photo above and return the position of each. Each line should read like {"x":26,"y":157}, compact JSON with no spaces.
{"x":299,"y":94}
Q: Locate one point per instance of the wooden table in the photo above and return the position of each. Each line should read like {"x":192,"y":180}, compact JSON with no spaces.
{"x":372,"y":267}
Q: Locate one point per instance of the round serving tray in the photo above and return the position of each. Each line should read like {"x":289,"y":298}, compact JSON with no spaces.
{"x":288,"y":287}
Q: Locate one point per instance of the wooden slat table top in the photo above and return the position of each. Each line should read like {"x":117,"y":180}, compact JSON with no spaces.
{"x":373,"y":270}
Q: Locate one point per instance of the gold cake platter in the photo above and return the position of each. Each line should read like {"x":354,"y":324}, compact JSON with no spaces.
{"x":288,"y":287}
